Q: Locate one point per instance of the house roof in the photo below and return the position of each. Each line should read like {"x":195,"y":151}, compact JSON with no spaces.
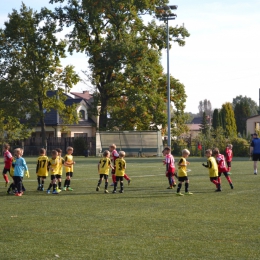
{"x":196,"y":120}
{"x":193,"y":127}
{"x":85,"y":95}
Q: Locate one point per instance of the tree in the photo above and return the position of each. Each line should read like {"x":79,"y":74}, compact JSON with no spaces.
{"x":229,"y":121}
{"x":205,"y":106}
{"x":30,"y":67}
{"x":121,"y":50}
{"x":253,"y":107}
{"x":242,"y":112}
{"x":204,"y":126}
{"x":216,"y":119}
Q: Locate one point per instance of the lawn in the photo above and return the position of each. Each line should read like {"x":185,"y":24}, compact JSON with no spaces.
{"x":147,"y":221}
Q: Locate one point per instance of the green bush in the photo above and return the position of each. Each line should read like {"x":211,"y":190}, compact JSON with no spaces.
{"x":80,"y":145}
{"x":240,"y":147}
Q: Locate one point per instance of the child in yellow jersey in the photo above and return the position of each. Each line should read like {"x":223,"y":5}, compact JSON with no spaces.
{"x":103,"y":169}
{"x":120,"y":165}
{"x":42,"y":169}
{"x":53,"y":167}
{"x":59,"y":173}
{"x":213,"y":169}
{"x":68,"y":163}
{"x":182,"y":173}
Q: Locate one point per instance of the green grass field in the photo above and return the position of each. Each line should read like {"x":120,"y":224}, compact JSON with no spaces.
{"x":148,"y":221}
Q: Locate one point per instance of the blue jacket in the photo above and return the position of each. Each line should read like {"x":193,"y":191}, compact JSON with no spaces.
{"x":19,"y":167}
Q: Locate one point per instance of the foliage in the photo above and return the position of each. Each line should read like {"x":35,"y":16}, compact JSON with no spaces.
{"x":240,"y":147}
{"x":242,"y":112}
{"x":229,"y":121}
{"x":123,"y":56}
{"x":204,"y":126}
{"x":253,"y":107}
{"x":12,"y":129}
{"x":30,"y":67}
{"x":80,"y":145}
{"x":216,"y":119}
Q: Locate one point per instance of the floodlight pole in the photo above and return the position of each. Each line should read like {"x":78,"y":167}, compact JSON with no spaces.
{"x":165,"y":16}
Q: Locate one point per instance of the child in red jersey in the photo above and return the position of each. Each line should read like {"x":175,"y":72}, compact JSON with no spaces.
{"x":229,"y":156}
{"x":8,"y":163}
{"x":220,"y":158}
{"x":170,"y":167}
{"x":115,"y":155}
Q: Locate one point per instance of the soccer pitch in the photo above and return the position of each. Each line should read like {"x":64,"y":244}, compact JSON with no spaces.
{"x":147,"y":221}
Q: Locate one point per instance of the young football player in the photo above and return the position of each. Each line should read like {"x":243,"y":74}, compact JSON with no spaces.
{"x":120,"y":165}
{"x":115,"y":155}
{"x":20,"y":167}
{"x":170,"y":167}
{"x":213,"y":169}
{"x":182,"y":173}
{"x":53,"y":167}
{"x":229,"y":156}
{"x":8,"y":163}
{"x":59,"y":172}
{"x":68,"y":163}
{"x":42,"y":169}
{"x":220,"y":158}
{"x":103,"y":169}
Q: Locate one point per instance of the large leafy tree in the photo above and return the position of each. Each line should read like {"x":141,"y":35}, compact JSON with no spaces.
{"x":123,"y":55}
{"x":205,"y":106}
{"x":253,"y":107}
{"x":30,"y":67}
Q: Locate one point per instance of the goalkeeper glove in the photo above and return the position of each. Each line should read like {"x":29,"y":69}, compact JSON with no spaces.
{"x":27,"y":174}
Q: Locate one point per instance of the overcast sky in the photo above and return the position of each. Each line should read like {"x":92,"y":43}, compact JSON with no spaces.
{"x":221,"y":58}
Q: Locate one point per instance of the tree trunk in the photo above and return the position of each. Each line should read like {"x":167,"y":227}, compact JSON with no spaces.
{"x":103,"y":114}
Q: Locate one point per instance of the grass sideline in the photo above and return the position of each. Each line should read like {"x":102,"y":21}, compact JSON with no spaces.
{"x":146,"y":222}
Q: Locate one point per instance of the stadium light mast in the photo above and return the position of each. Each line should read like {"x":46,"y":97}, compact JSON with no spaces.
{"x":164,"y":13}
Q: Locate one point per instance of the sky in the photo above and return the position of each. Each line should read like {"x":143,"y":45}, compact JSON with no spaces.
{"x":221,"y":58}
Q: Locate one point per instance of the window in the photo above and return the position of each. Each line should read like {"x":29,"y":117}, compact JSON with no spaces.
{"x":82,"y":114}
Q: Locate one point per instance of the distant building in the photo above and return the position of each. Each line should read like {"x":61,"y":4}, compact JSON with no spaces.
{"x":86,"y":126}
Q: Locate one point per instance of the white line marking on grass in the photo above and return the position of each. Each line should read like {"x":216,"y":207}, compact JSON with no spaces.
{"x":75,"y":179}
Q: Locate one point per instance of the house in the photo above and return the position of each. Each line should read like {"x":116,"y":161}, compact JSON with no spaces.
{"x":86,"y":127}
{"x":252,"y":124}
{"x":194,"y":127}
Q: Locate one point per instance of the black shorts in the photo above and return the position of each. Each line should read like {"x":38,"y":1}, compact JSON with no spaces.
{"x":105,"y":176}
{"x":119,"y":178}
{"x":58,"y":176}
{"x":53,"y":177}
{"x":256,"y":157}
{"x":43,"y":177}
{"x":5,"y":171}
{"x":182,"y":179}
{"x":69,"y":174}
{"x":220,"y":173}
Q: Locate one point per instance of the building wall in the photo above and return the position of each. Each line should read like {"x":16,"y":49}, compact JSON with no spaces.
{"x":57,"y":131}
{"x":252,"y":124}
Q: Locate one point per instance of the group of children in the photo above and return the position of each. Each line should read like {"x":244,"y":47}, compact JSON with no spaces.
{"x":217,"y":165}
{"x":118,"y":166}
{"x":17,"y":168}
